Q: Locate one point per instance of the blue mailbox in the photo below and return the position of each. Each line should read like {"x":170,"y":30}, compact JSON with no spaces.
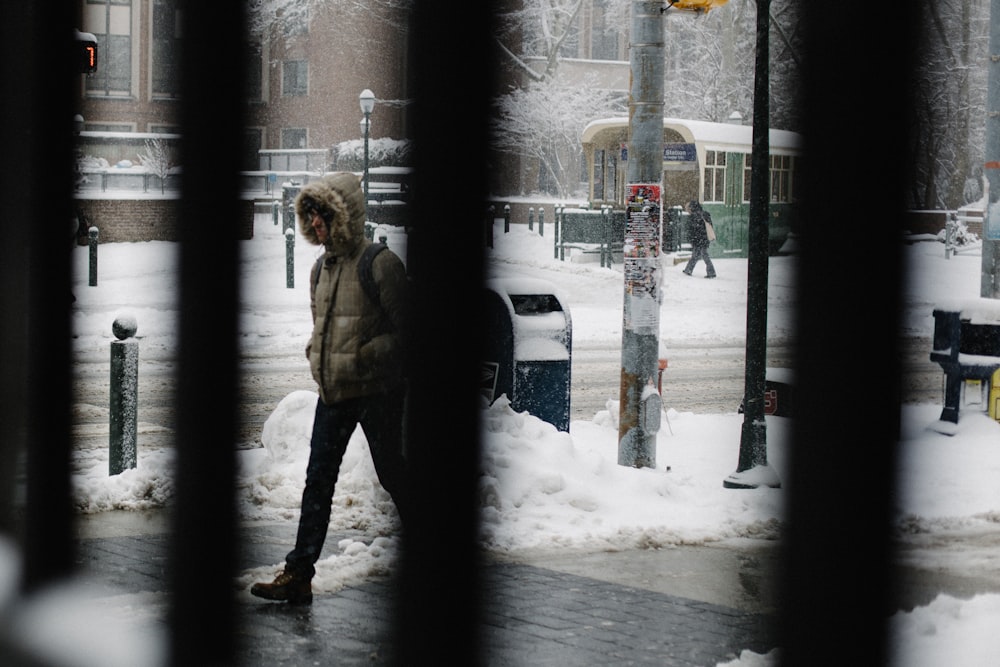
{"x":528,"y":351}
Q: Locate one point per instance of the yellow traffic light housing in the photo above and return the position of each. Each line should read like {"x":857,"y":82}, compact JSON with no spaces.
{"x":696,"y":6}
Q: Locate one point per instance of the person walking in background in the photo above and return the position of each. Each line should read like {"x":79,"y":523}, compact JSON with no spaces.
{"x":700,"y":234}
{"x":356,"y":357}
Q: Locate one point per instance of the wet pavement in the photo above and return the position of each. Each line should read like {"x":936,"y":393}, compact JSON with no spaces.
{"x":680,"y":606}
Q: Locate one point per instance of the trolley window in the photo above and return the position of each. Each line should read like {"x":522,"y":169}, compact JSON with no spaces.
{"x":715,"y":176}
{"x":781,"y":178}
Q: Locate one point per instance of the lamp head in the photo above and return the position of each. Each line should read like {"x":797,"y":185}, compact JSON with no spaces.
{"x":367,"y":99}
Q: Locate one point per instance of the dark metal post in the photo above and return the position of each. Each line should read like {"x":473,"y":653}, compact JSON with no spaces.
{"x":557,"y":224}
{"x":367,"y":131}
{"x":541,"y":221}
{"x":752,"y":469}
{"x":606,"y":237}
{"x":367,"y":101}
{"x":489,"y":226}
{"x":531,"y":218}
{"x":506,"y":219}
{"x":289,"y":258}
{"x":989,"y":278}
{"x":92,"y":235}
{"x":124,"y":399}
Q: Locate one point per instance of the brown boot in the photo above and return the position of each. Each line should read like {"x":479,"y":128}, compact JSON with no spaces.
{"x":286,"y":587}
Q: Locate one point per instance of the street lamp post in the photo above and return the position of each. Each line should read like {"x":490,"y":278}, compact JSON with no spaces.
{"x":367,"y":99}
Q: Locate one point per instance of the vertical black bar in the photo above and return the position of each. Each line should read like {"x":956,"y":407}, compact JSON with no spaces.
{"x":837,"y":574}
{"x":50,"y":73}
{"x":449,"y":126}
{"x":17,"y":207}
{"x":204,"y":547}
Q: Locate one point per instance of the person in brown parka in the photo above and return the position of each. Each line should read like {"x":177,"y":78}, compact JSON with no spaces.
{"x":355,"y":354}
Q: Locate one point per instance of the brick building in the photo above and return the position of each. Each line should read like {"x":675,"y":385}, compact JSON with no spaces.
{"x":304,"y":74}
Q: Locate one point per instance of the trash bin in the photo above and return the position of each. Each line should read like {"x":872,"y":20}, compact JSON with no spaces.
{"x":779,"y":393}
{"x":528,"y":349}
{"x":289,"y":191}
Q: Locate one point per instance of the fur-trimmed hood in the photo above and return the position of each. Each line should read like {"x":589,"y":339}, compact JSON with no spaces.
{"x":340,"y":201}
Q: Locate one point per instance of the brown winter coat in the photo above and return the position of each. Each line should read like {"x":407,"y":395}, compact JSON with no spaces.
{"x":356,"y":345}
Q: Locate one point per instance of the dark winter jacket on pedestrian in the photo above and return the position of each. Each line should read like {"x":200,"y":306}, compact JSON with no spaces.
{"x":696,"y":234}
{"x":356,"y":345}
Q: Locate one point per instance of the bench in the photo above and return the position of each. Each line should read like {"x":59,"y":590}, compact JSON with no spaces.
{"x":967,"y":347}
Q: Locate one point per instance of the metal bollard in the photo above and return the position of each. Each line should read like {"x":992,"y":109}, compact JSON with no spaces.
{"x":490,"y":212}
{"x":275,"y":207}
{"x":124,"y":396}
{"x":506,"y":218}
{"x":92,"y":235}
{"x":531,"y":218}
{"x":606,"y":237}
{"x":290,"y":258}
{"x":541,"y":221}
{"x":949,"y":235}
{"x":558,"y":251}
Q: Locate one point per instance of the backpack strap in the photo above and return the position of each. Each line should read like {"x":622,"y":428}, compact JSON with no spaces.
{"x":317,"y":270}
{"x":365,"y":273}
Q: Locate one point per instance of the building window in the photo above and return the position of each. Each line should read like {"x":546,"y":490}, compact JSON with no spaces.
{"x":111,"y":22}
{"x":293,"y":137}
{"x":166,"y":48}
{"x":714,"y":189}
{"x":599,"y":174}
{"x":295,"y":77}
{"x":255,"y":72}
{"x":611,"y":182}
{"x":781,"y":178}
{"x":252,"y":144}
{"x":605,"y":32}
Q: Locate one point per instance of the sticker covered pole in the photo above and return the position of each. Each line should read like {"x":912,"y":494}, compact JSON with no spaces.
{"x":639,"y":406}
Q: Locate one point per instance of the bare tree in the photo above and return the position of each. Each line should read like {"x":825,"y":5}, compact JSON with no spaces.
{"x":949,"y":114}
{"x":544,"y":122}
{"x":157,"y":160}
{"x":266,"y":15}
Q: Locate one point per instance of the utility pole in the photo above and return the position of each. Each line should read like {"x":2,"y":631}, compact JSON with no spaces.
{"x":752,"y":469}
{"x":640,"y":405}
{"x":989,"y":288}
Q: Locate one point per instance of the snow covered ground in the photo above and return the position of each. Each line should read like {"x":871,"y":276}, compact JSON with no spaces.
{"x":543,"y":488}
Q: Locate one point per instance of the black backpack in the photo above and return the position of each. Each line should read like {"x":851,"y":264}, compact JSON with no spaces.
{"x":365,"y":274}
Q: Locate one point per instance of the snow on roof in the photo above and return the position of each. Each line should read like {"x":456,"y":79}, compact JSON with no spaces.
{"x":705,"y":133}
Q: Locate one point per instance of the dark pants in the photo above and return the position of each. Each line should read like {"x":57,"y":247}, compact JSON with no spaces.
{"x":381,"y":418}
{"x":700,"y":252}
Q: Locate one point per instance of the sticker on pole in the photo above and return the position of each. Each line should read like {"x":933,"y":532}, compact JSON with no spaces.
{"x":641,"y":252}
{"x":991,"y":226}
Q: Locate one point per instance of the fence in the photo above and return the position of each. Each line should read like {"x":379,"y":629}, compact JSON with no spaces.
{"x":600,"y":232}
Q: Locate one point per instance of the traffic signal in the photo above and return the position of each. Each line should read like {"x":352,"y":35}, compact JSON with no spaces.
{"x":696,"y":6}
{"x":86,"y":48}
